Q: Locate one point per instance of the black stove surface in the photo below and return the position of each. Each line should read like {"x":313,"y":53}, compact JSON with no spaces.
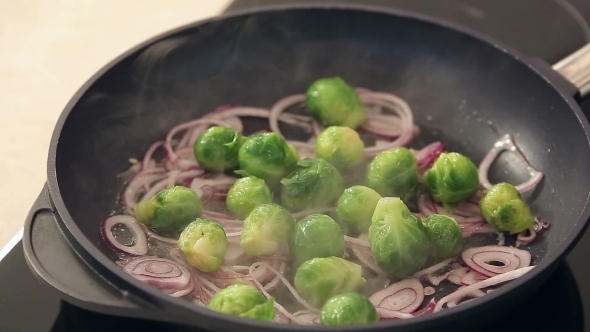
{"x":548,"y":29}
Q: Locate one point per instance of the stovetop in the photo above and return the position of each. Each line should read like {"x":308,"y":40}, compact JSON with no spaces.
{"x":548,"y":29}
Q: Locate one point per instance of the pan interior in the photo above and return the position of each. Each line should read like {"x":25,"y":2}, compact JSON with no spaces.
{"x":464,"y":92}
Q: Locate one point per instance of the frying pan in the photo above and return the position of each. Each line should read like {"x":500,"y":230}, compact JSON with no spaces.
{"x":465,"y":89}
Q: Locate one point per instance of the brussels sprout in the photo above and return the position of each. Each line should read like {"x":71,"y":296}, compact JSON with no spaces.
{"x":246,"y":194}
{"x":397,"y":239}
{"x":314,"y":183}
{"x":503,"y":207}
{"x":243,"y":301}
{"x":204,"y":244}
{"x":452,"y":178}
{"x":341,"y":147}
{"x":355,"y":208}
{"x":267,"y":156}
{"x":217,"y":148}
{"x":316,"y":235}
{"x":445,"y":236}
{"x":332,"y":102}
{"x":266,"y":229}
{"x":321,"y":278}
{"x":394,"y":173}
{"x":170,"y":210}
{"x":348,"y":309}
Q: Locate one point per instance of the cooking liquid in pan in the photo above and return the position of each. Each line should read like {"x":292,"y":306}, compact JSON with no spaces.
{"x":509,"y":166}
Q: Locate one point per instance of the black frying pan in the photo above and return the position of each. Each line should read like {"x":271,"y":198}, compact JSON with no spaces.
{"x":464,"y":88}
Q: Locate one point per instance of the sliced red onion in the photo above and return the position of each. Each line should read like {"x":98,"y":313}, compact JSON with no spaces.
{"x":367,"y":259}
{"x":234,"y":254}
{"x":472,"y":277}
{"x":139,"y":246}
{"x":159,"y":272}
{"x":286,"y":282}
{"x":428,"y":155}
{"x":388,"y":314}
{"x":427,"y":309}
{"x":136,"y":186}
{"x":506,"y":143}
{"x":276,"y":281}
{"x":354,"y":242}
{"x":307,"y":317}
{"x":402,"y":110}
{"x":437,"y":279}
{"x":456,"y":301}
{"x":469,"y":229}
{"x":429,"y":291}
{"x":182,"y":292}
{"x":457,"y":274}
{"x":148,"y":155}
{"x":479,"y":258}
{"x":404,"y":296}
{"x":158,"y":237}
{"x":222,"y":218}
{"x":493,"y":281}
{"x":434,"y":268}
{"x":427,"y":206}
{"x":501,"y":239}
{"x":279,"y":107}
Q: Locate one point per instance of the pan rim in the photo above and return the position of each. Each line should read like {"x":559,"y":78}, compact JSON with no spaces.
{"x":91,"y":249}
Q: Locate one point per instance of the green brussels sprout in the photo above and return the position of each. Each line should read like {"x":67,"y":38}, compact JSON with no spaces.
{"x":452,"y":178}
{"x":170,"y":210}
{"x":246,"y":194}
{"x":319,"y":279}
{"x":445,"y":236}
{"x":294,"y":151}
{"x":267,"y":156}
{"x":397,"y":239}
{"x":204,"y":244}
{"x":394,"y":173}
{"x":314,"y":183}
{"x":503,"y":207}
{"x":355,"y":208}
{"x":266,"y":229}
{"x":341,"y":147}
{"x":316,"y":235}
{"x":332,"y":102}
{"x":243,"y":301}
{"x":348,"y":309}
{"x":217,"y":148}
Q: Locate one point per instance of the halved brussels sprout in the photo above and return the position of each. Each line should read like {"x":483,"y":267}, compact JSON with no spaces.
{"x":397,"y":238}
{"x":170,"y":210}
{"x":355,"y":208}
{"x":267,"y":156}
{"x":316,"y":235}
{"x":394,"y":173}
{"x":341,"y":147}
{"x":314,"y":183}
{"x":332,"y":102}
{"x":503,"y":207}
{"x":266,"y":230}
{"x":246,"y":194}
{"x":243,"y":301}
{"x":445,"y":236}
{"x":319,"y":279}
{"x":348,"y":309}
{"x":452,"y":178}
{"x":204,"y":244}
{"x":217,"y":148}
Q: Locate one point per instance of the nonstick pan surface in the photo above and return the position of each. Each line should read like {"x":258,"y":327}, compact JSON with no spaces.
{"x":464,"y":89}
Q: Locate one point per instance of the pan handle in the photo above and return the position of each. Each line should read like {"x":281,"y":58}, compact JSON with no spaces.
{"x":576,"y":69}
{"x":52,"y":260}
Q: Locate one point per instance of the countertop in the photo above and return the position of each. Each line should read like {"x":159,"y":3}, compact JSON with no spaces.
{"x":48,"y":49}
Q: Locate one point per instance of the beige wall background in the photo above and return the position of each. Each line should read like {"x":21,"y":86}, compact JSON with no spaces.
{"x":48,"y":48}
